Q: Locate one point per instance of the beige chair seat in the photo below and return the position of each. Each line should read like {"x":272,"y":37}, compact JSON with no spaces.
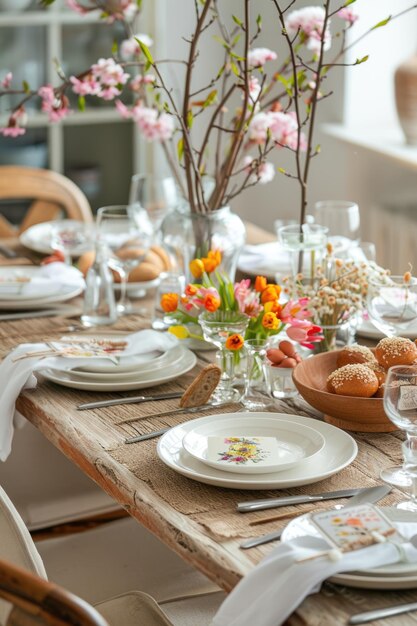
{"x":133,"y":609}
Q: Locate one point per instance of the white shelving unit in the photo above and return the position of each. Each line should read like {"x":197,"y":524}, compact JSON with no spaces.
{"x":97,"y":148}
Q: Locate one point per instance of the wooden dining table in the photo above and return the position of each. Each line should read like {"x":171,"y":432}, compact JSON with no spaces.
{"x":198,"y":521}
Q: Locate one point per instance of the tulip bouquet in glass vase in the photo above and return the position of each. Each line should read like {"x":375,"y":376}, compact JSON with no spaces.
{"x":217,"y":131}
{"x":231,"y":313}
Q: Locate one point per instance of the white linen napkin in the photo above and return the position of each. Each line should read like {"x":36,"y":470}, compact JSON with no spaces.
{"x":15,"y":376}
{"x":49,"y":279}
{"x":274,"y":589}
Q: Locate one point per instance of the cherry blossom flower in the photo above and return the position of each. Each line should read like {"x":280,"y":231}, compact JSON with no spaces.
{"x":258,"y":128}
{"x":348,"y":15}
{"x":130,"y":48}
{"x":309,"y":22}
{"x":86,"y":86}
{"x":16,"y":120}
{"x":123,"y":110}
{"x":109,"y":76}
{"x":259,"y":56}
{"x":154,"y":126}
{"x":282,"y":128}
{"x":262,"y":172}
{"x":7,"y":80}
{"x":254,"y":89}
{"x":139,"y":80}
{"x":55,"y":106}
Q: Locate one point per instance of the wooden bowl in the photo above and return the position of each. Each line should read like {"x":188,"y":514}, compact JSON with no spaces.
{"x":347,"y":412}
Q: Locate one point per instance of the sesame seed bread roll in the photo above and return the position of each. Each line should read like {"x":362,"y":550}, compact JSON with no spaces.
{"x":379,"y":371}
{"x":353,"y":380}
{"x":392,"y":351}
{"x":355,"y":354}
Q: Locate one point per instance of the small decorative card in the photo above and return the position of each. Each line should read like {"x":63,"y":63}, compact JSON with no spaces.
{"x":408,"y":398}
{"x":88,"y":347}
{"x":243,"y":451}
{"x":353,"y":528}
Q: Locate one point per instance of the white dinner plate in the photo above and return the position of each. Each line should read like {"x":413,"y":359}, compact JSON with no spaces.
{"x":296,"y":443}
{"x":126,"y":364}
{"x":395,"y":576}
{"x":19,"y":302}
{"x":151,"y":379}
{"x":168,"y":359}
{"x":367,"y":329}
{"x":339,"y":450}
{"x":39,"y":237}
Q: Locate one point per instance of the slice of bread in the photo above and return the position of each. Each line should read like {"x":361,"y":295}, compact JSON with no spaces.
{"x":200,"y":390}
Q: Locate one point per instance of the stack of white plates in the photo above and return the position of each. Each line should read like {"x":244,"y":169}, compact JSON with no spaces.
{"x":39,"y":236}
{"x":25,"y":288}
{"x":129,"y":373}
{"x":396,"y":576}
{"x":307,"y":450}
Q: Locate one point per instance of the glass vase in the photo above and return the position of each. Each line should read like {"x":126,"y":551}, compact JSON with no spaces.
{"x":257,"y":395}
{"x":188,"y":236}
{"x":217,"y":328}
{"x":335,"y":336}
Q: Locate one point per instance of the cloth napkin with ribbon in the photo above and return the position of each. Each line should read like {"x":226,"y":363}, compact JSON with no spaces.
{"x":17,"y":375}
{"x":274,"y":589}
{"x":49,"y":279}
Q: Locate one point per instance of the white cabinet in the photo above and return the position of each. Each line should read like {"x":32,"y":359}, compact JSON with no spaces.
{"x":96,"y":148}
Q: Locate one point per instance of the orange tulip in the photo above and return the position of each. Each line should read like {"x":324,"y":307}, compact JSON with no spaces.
{"x":260,"y":283}
{"x":169,"y":302}
{"x":211,"y":303}
{"x":271,"y":292}
{"x":234,"y":342}
{"x":273,"y":306}
{"x":270,"y":321}
{"x":197,"y":267}
{"x":216,"y":255}
{"x":209,"y":264}
{"x":190,"y":290}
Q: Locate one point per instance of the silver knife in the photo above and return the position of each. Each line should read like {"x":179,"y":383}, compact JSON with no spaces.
{"x":370,"y":616}
{"x":270,"y":503}
{"x":367,"y":494}
{"x":131,"y":400}
{"x":152,"y":435}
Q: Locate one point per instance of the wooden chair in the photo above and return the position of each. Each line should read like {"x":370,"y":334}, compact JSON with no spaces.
{"x":52,"y":196}
{"x":30,"y":600}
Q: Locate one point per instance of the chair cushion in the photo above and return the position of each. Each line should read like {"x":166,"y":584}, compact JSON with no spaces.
{"x":133,"y":609}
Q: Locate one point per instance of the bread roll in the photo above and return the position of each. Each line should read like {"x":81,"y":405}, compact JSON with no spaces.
{"x":163,"y":256}
{"x":392,"y":351}
{"x":353,"y":380}
{"x":144,"y":272}
{"x":355,"y":354}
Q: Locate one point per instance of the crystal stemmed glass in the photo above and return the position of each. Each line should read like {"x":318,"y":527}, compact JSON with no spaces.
{"x":392,"y":303}
{"x":400,"y":405}
{"x":127,"y":233}
{"x":158,"y":195}
{"x":217,"y":328}
{"x":342,"y":218}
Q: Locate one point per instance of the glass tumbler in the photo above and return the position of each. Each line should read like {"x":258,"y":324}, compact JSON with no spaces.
{"x":170,"y":282}
{"x":257,"y":395}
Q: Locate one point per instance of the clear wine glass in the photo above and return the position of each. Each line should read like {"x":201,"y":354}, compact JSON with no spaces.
{"x":400,"y":405}
{"x":342,"y":218}
{"x":127,"y":233}
{"x":392,"y":304}
{"x":158,"y":195}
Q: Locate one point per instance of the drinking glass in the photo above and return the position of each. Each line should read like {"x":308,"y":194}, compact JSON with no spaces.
{"x":305,"y":245}
{"x":217,"y":328}
{"x":400,"y":405}
{"x":392,"y":304}
{"x":257,"y":394}
{"x":127,"y":233}
{"x":158,"y":195}
{"x":342,"y":218}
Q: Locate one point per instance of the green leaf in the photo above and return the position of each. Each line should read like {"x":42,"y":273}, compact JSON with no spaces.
{"x":362,"y":60}
{"x":81,"y":103}
{"x":234,"y":69}
{"x":349,"y":2}
{"x":180,"y":148}
{"x":25,"y":86}
{"x":317,"y":149}
{"x":221,"y":70}
{"x":190,"y":118}
{"x":236,"y":56}
{"x":139,"y":4}
{"x":281,"y":170}
{"x":222,"y":41}
{"x":382,"y":23}
{"x":114,"y":48}
{"x":259,"y":21}
{"x":235,"y":40}
{"x":145,"y":51}
{"x":237,"y":21}
{"x":211,"y":98}
{"x":46,"y":3}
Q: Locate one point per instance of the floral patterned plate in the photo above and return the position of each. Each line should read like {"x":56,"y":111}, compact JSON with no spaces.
{"x":252,"y":445}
